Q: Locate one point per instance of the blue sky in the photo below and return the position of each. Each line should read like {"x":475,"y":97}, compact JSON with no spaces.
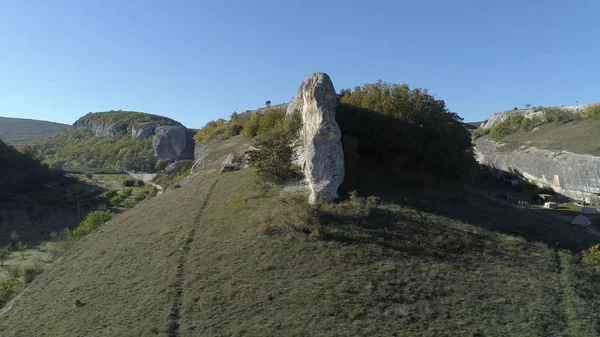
{"x":200,"y":60}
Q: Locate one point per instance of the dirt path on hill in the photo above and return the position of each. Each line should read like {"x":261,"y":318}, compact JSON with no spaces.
{"x":175,"y":316}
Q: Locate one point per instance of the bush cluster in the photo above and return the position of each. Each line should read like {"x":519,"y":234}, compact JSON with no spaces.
{"x":91,"y":222}
{"x":273,"y":157}
{"x":248,"y":124}
{"x":405,"y":130}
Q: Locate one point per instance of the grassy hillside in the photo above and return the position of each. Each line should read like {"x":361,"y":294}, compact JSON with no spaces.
{"x":221,"y":257}
{"x":18,"y":131}
{"x":579,"y":136}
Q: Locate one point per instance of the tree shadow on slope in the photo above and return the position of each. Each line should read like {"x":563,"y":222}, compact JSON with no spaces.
{"x":469,"y":203}
{"x":36,"y":200}
{"x":410,"y":232}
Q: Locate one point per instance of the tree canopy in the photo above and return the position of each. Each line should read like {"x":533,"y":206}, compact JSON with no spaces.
{"x":407,"y":129}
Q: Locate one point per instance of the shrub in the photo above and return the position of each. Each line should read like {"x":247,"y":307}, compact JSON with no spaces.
{"x":5,"y":253}
{"x":210,"y":130}
{"x":273,"y":156}
{"x":9,"y":288}
{"x":139,"y":183}
{"x":129,"y":182}
{"x":109,"y":194}
{"x":270,"y":120}
{"x":479,"y":132}
{"x":251,"y":126}
{"x":591,"y":257}
{"x":30,"y":272}
{"x":527,"y":124}
{"x":592,"y":111}
{"x":88,"y":175}
{"x":161,"y":164}
{"x":91,"y":222}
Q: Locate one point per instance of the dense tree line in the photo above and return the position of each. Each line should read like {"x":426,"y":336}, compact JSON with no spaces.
{"x":79,"y":148}
{"x":406,"y":130}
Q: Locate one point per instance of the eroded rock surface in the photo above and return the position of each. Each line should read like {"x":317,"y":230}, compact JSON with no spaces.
{"x":320,"y":153}
{"x":574,"y":175}
{"x":169,"y":141}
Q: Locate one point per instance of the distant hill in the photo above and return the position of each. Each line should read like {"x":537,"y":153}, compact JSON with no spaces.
{"x":115,"y":140}
{"x":472,"y":125}
{"x":18,"y":131}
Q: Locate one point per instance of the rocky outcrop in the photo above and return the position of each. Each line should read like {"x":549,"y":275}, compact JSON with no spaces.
{"x":169,"y":142}
{"x":500,"y":117}
{"x":574,"y":175}
{"x":144,"y":130}
{"x":231,"y":163}
{"x":320,"y":153}
{"x":100,"y":130}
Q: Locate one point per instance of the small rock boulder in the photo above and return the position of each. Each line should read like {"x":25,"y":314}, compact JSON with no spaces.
{"x":230,"y":163}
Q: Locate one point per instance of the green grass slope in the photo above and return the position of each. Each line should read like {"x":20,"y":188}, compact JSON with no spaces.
{"x":18,"y":131}
{"x":579,"y":136}
{"x":220,"y":257}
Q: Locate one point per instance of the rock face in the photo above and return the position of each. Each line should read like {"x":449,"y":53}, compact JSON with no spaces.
{"x":500,"y":117}
{"x":169,"y":141}
{"x":230,"y":163}
{"x":320,"y":153}
{"x":143,"y":131}
{"x":100,"y":130}
{"x":574,"y":175}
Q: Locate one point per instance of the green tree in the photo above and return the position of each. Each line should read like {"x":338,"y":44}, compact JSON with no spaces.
{"x":270,"y":119}
{"x":272,"y":158}
{"x":22,"y":247}
{"x":161,"y":164}
{"x":405,"y":129}
{"x":91,"y":222}
{"x":14,"y":236}
{"x":528,"y":105}
{"x":268,"y":103}
{"x":252,"y":125}
{"x":4,"y":254}
{"x":527,"y":124}
{"x":28,"y":150}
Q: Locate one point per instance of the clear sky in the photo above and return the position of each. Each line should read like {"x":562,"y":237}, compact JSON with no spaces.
{"x":198,"y":60}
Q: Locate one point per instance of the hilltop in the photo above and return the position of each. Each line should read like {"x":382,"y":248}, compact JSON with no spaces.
{"x":19,"y":131}
{"x":117,"y":140}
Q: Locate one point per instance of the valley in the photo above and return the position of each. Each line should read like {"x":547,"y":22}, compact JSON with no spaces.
{"x":246,"y":236}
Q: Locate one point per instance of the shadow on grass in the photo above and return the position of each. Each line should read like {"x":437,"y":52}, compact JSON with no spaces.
{"x":468,"y":203}
{"x":33,"y":214}
{"x":409,"y":232}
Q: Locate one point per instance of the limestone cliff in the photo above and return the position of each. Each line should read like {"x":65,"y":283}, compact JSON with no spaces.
{"x":170,"y":139}
{"x":500,"y":117}
{"x":574,"y":175}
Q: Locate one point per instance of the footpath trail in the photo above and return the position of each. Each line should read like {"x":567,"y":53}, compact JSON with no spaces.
{"x":147,"y":178}
{"x":175,"y":316}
